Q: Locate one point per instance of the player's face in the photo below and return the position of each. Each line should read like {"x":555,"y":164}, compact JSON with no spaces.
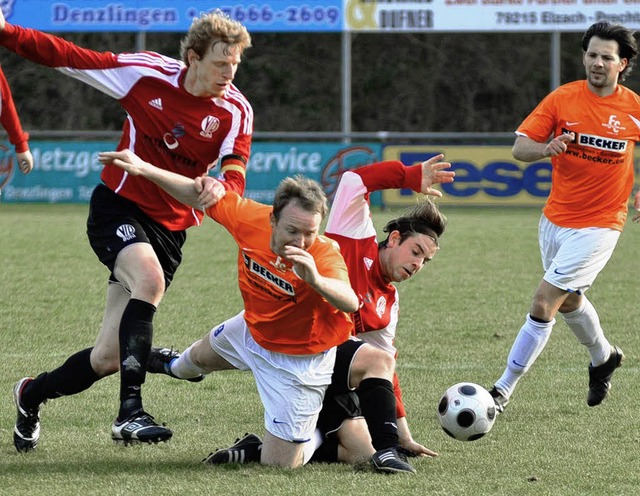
{"x":603,"y":65}
{"x":295,"y":227}
{"x":400,"y":261}
{"x":211,"y":75}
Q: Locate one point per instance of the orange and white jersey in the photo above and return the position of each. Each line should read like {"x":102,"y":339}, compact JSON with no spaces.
{"x":283,"y":313}
{"x":593,"y":179}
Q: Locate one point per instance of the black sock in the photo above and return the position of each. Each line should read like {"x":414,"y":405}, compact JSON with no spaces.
{"x":72,"y":377}
{"x":378,"y":404}
{"x":136,"y":332}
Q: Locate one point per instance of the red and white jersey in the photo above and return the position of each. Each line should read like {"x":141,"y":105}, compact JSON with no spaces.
{"x":165,"y":125}
{"x":9,"y":117}
{"x":350,"y":224}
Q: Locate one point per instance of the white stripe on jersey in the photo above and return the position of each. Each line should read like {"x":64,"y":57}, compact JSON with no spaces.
{"x":236,"y":122}
{"x":152,"y":59}
{"x":234,"y":94}
{"x":132,"y":146}
{"x":118,"y":81}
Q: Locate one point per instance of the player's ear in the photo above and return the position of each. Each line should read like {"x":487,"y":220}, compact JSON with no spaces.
{"x":394,"y":238}
{"x":192,"y":56}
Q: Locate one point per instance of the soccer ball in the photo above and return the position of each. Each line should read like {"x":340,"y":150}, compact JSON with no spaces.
{"x":466,"y":411}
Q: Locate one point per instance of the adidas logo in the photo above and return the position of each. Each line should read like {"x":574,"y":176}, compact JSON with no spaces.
{"x":156,"y":102}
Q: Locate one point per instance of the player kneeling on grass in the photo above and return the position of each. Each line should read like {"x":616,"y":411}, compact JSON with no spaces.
{"x":364,"y":380}
{"x":297,"y":300}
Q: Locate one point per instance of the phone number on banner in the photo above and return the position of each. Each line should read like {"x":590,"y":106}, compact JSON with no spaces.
{"x":288,"y":18}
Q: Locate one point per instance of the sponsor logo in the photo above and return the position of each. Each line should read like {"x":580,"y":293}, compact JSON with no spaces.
{"x":556,"y":271}
{"x":569,"y":124}
{"x":381,"y":305}
{"x":156,"y":103}
{"x":276,"y":421}
{"x":218,"y":330}
{"x":171,"y":138}
{"x":209,"y":125}
{"x":368,"y":262}
{"x":126,"y":232}
{"x":517,"y":364}
{"x":602,"y":143}
{"x":268,"y":276}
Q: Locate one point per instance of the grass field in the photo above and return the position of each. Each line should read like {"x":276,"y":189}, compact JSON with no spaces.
{"x":459,"y":317}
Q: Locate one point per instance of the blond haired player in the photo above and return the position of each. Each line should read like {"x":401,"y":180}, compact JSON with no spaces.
{"x":593,"y":124}
{"x":186,"y":116}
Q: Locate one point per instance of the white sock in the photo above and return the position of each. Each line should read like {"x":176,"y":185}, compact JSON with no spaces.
{"x":585,"y":325}
{"x":528,"y":345}
{"x":312,"y":445}
{"x":184,"y":368}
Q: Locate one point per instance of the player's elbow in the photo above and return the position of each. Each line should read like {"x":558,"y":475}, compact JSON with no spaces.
{"x":351,"y":303}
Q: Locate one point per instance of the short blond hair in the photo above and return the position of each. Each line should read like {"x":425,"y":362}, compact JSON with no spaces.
{"x":211,"y":28}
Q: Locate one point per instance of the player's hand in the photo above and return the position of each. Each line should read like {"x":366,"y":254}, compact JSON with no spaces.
{"x":210,"y":190}
{"x":25,"y":161}
{"x":125,"y":159}
{"x":433,"y":173}
{"x":416,"y":449}
{"x":304,"y":265}
{"x":558,"y":145}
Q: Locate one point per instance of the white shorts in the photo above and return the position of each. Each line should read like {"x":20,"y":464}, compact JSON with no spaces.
{"x":291,"y":387}
{"x":573,"y":258}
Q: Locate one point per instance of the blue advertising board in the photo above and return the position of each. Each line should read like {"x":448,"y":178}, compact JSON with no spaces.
{"x":67,"y":172}
{"x":170,"y":16}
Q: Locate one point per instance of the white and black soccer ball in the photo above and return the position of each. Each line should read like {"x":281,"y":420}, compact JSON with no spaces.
{"x":466,"y":411}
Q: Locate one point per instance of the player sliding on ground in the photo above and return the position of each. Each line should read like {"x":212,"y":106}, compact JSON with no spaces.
{"x":362,"y":381}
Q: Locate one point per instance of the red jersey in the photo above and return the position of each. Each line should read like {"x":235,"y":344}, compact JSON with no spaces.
{"x":165,"y":125}
{"x":284,"y":314}
{"x":9,"y":118}
{"x":593,"y":179}
{"x":350,"y":224}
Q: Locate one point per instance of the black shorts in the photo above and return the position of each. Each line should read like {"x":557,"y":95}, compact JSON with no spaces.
{"x":115,"y":222}
{"x":340,"y":402}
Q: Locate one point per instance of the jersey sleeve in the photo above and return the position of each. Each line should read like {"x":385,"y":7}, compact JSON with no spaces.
{"x":9,"y":118}
{"x":541,"y":122}
{"x":114,"y":75}
{"x":52,"y":51}
{"x":350,"y":214}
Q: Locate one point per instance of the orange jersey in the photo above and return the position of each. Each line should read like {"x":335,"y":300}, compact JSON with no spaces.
{"x":283,"y":313}
{"x":593,"y":179}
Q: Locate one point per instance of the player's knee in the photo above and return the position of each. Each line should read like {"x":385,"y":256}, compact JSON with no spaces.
{"x":104,"y":363}
{"x":372,"y":362}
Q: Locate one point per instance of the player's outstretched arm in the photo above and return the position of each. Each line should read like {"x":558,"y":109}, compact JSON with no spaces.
{"x":408,"y":443}
{"x":433,"y":172}
{"x":182,"y":188}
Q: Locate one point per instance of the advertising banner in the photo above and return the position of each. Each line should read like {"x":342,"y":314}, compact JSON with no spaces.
{"x":170,"y":16}
{"x":485,"y":175}
{"x":67,"y":172}
{"x":487,"y":15}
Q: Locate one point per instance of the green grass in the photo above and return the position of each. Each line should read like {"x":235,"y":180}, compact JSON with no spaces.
{"x":459,"y":318}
